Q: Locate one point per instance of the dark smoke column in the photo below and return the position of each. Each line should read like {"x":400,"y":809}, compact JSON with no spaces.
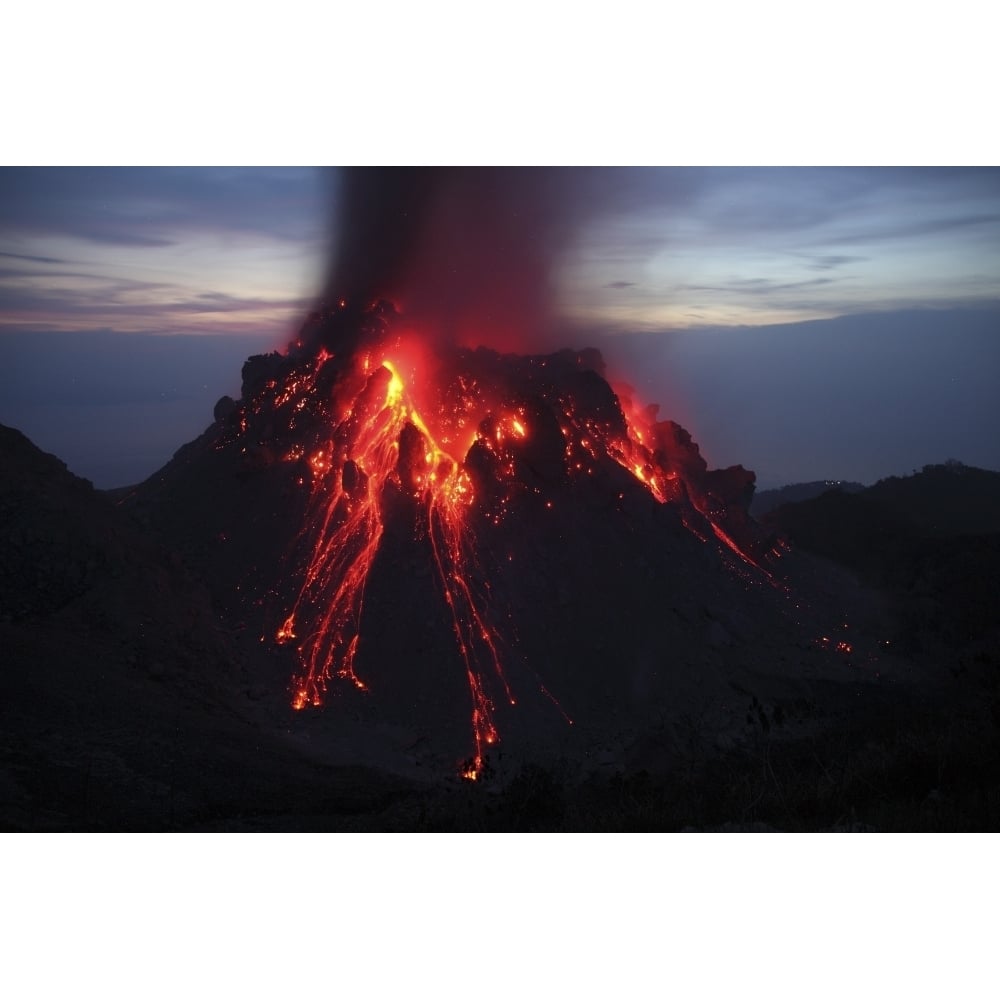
{"x":380,"y":214}
{"x":466,"y":254}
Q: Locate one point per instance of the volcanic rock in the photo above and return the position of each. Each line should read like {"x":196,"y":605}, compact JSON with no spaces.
{"x":260,"y":369}
{"x":114,"y":665}
{"x":224,"y":409}
{"x":525,"y":609}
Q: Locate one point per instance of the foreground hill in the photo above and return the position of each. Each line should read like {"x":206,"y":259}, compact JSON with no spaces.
{"x":118,"y":681}
{"x":134,"y":695}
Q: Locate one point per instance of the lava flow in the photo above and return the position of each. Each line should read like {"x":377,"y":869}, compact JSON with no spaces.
{"x":445,"y":449}
{"x":379,"y":443}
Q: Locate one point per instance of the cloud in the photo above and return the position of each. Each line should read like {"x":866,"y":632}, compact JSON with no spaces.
{"x":164,"y":249}
{"x":757,"y":286}
{"x":888,"y":234}
{"x":33,"y":259}
{"x":159,"y":207}
{"x":133,"y":305}
{"x":804,"y":209}
{"x":827,"y":262}
{"x":904,"y":230}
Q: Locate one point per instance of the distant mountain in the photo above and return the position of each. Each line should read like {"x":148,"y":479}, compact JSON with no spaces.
{"x":941,"y":501}
{"x":767,"y":500}
{"x":944,"y":500}
{"x":931,"y":540}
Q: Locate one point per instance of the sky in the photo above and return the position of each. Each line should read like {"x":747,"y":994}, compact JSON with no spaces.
{"x":804,"y":322}
{"x":168,"y":250}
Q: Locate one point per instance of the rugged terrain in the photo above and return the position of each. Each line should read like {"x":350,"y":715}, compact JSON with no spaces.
{"x":660,"y":678}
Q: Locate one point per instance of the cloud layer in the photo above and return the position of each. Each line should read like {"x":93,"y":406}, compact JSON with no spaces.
{"x":211,"y":249}
{"x":164,"y":250}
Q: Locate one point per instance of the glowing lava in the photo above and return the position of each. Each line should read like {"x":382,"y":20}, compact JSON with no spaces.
{"x":525,"y":427}
{"x":381,"y":442}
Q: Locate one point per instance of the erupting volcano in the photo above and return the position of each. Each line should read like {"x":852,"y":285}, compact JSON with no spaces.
{"x":455,"y":451}
{"x":458,"y":534}
{"x":439,"y":567}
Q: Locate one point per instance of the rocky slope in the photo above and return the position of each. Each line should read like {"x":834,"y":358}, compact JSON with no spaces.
{"x":142,"y":686}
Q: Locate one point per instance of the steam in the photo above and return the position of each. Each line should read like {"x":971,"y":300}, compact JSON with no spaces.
{"x":466,"y":255}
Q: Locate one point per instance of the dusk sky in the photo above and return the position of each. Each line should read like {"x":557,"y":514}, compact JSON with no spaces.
{"x":805,"y":322}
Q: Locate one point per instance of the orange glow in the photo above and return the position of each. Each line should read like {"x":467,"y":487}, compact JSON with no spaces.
{"x":382,"y":425}
{"x":343,"y":533}
{"x":287,"y":631}
{"x":634,"y":454}
{"x":394,"y":393}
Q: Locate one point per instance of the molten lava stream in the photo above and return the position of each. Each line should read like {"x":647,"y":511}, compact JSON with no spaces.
{"x":345,"y":528}
{"x":587,"y":437}
{"x":345,"y":523}
{"x":454,"y":561}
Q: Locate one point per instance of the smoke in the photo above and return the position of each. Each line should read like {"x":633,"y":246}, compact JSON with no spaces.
{"x":466,"y":255}
{"x":378,"y":216}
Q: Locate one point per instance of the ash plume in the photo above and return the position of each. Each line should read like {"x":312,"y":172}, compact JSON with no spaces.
{"x":466,"y":255}
{"x":377,"y":221}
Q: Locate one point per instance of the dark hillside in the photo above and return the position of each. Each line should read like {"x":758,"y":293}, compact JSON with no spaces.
{"x":944,"y":500}
{"x":932,"y":540}
{"x":137,"y":691}
{"x":765,"y":501}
